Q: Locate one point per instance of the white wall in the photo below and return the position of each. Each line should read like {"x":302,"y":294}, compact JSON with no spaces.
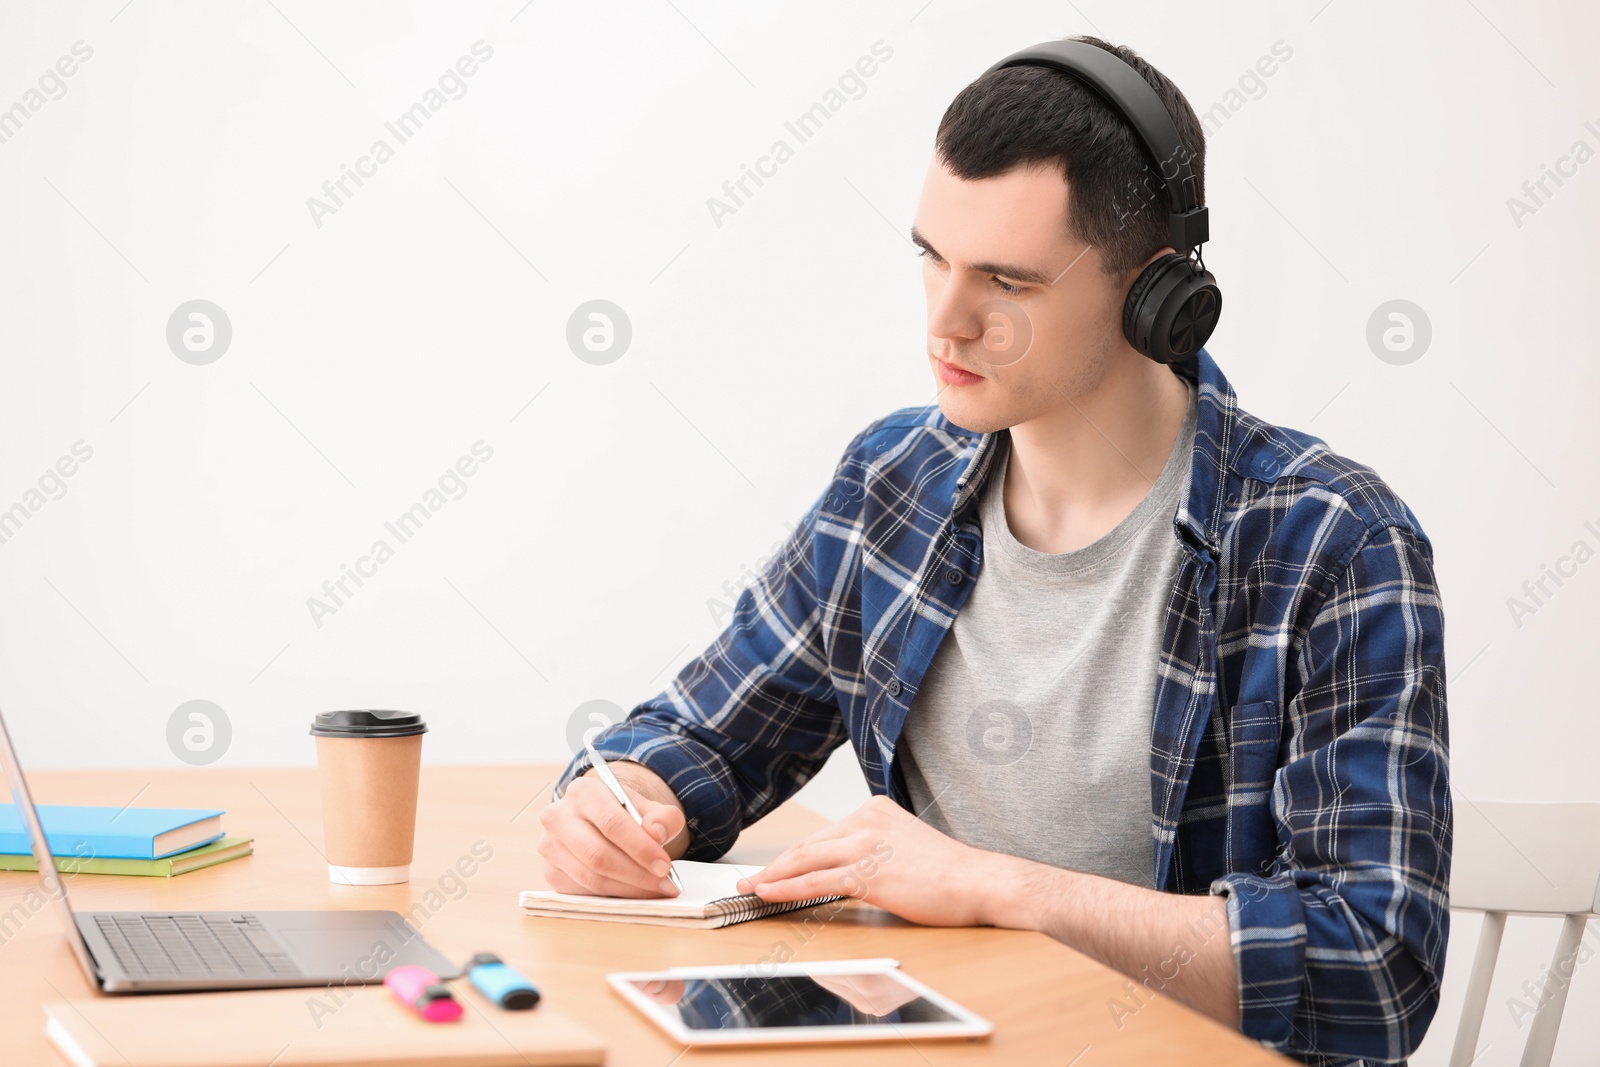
{"x":371,"y":351}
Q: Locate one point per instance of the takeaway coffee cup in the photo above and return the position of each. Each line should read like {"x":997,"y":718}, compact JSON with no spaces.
{"x":367,"y":762}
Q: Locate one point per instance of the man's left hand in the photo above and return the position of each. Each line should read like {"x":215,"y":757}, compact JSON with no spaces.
{"x":884,"y":855}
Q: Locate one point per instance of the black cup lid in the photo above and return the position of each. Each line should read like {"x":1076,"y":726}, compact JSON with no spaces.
{"x":368,"y":724}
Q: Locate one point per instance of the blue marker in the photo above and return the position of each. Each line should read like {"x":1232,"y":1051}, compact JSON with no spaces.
{"x":500,"y":983}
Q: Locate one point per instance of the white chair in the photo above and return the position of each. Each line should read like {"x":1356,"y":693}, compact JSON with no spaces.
{"x":1523,"y":859}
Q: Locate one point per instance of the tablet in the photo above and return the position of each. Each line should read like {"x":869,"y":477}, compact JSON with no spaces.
{"x":787,"y":1003}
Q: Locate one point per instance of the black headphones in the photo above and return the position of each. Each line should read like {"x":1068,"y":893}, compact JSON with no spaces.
{"x":1173,"y":305}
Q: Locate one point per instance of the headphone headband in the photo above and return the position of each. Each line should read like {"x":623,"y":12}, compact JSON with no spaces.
{"x":1131,"y":96}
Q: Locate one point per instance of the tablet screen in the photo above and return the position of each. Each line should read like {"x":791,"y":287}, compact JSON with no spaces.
{"x":754,"y":1002}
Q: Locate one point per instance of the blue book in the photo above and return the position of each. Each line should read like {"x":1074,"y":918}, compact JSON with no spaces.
{"x":112,"y":833}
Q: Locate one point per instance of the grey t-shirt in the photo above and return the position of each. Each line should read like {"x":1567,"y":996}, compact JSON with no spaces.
{"x":1030,"y":734}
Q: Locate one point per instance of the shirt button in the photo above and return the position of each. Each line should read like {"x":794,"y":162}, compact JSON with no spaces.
{"x":894,"y":687}
{"x":954,"y":576}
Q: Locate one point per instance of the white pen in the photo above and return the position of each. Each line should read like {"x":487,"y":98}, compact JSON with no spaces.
{"x":621,"y":794}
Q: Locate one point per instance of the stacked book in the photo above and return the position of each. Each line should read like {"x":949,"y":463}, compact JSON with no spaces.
{"x":158,"y":842}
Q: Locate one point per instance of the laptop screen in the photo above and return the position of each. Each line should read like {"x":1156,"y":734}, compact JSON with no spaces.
{"x":52,"y":885}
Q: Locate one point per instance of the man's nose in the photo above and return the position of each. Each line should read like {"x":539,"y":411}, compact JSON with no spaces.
{"x":952,"y":310}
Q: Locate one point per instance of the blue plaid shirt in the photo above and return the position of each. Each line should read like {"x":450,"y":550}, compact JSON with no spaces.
{"x":1299,"y":748}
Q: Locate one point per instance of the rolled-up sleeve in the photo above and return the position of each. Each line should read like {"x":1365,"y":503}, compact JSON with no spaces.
{"x":1340,"y":945}
{"x":751,"y":719}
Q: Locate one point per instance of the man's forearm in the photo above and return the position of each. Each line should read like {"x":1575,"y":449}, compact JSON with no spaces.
{"x":639,"y":779}
{"x":1167,"y":943}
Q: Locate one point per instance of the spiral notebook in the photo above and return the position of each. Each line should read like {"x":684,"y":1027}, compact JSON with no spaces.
{"x":708,"y":899}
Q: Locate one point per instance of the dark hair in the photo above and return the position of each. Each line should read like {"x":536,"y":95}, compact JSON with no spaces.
{"x":1029,"y":115}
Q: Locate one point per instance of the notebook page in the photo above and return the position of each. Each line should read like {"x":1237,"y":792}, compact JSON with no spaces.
{"x":702,"y":883}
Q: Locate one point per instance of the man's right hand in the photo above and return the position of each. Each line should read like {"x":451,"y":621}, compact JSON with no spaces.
{"x":592,"y":845}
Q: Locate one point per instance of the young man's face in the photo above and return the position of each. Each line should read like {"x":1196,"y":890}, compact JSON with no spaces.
{"x":1011,"y":298}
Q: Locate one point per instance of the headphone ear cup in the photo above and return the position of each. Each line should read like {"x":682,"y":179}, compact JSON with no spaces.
{"x":1171,"y":309}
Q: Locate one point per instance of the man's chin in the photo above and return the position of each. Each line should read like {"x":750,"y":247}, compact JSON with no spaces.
{"x":969,"y":414}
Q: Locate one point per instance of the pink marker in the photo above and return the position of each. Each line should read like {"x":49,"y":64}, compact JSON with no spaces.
{"x":420,"y":989}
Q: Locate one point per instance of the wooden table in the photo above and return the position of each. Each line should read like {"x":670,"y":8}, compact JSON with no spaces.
{"x":1048,"y":1002}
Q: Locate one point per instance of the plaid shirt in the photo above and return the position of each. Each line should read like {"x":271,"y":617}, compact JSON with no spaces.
{"x":1299,"y":747}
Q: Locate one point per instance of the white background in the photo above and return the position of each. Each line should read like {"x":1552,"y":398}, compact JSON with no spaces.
{"x":429,"y":312}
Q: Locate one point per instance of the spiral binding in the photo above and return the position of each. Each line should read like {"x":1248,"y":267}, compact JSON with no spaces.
{"x":749,"y":906}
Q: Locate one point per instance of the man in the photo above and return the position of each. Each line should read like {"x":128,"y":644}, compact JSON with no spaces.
{"x":1121,"y":662}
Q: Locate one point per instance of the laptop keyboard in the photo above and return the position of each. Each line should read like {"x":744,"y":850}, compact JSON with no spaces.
{"x":195,"y":946}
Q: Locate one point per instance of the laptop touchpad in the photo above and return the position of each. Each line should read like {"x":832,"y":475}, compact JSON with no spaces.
{"x":365,"y":954}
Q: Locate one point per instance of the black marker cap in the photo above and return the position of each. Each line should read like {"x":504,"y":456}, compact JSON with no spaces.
{"x":519,"y":999}
{"x":437,"y":991}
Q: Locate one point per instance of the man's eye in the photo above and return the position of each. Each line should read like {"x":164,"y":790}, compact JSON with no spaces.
{"x":1005,"y":287}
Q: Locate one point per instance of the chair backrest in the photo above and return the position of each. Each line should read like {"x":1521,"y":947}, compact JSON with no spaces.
{"x":1523,"y":859}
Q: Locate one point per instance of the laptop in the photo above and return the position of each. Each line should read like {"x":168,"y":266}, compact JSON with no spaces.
{"x":170,"y":951}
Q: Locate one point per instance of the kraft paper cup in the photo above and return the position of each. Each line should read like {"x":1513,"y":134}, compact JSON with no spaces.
{"x":368,"y":763}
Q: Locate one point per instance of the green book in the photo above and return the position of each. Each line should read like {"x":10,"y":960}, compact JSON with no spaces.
{"x":228,"y":848}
